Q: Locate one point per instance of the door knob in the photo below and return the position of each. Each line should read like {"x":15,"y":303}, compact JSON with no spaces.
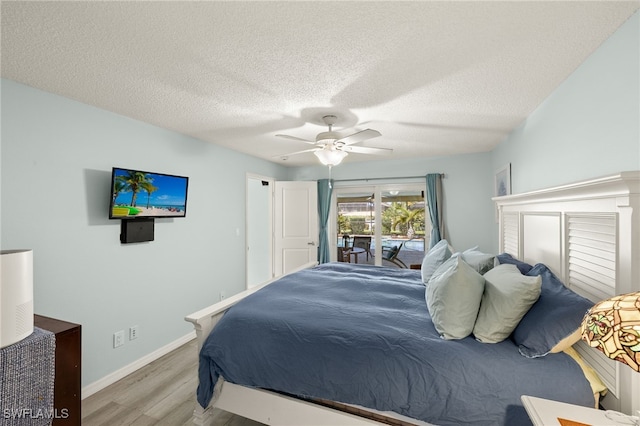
{"x":311,"y":243}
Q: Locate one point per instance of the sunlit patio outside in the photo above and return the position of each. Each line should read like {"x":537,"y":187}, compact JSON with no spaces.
{"x":402,"y":221}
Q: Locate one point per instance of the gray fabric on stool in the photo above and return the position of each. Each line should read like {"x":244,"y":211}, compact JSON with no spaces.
{"x":27,"y":374}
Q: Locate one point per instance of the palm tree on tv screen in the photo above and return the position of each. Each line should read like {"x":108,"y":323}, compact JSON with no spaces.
{"x":149,"y":189}
{"x":118,"y":187}
{"x":134,"y":182}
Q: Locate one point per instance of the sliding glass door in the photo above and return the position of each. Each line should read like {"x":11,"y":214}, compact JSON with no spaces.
{"x":381,"y":224}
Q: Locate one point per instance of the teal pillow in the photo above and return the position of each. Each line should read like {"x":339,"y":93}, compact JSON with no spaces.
{"x":434,"y":258}
{"x":481,"y":262}
{"x":453,"y":297}
{"x":508,"y":296}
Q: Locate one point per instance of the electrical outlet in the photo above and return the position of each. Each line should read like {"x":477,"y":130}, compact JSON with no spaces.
{"x":133,"y":332}
{"x":118,"y":338}
{"x":222,"y":296}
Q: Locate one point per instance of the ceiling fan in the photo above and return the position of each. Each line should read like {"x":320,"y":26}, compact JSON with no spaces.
{"x":331,"y":147}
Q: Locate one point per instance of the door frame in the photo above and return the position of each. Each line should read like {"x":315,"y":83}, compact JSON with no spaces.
{"x":269,"y":211}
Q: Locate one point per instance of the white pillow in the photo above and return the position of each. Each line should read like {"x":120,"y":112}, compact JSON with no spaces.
{"x":508,"y":296}
{"x":434,"y":258}
{"x":453,"y":297}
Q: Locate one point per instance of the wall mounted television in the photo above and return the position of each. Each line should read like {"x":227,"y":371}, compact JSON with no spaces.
{"x":140,"y":194}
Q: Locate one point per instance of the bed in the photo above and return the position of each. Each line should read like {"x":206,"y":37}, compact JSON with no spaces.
{"x":393,"y":380}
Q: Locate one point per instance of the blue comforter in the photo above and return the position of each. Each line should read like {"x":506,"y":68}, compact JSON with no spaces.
{"x":363,"y":335}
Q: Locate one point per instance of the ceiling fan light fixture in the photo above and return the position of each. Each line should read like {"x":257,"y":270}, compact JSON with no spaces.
{"x":330,"y":157}
{"x":332,"y":147}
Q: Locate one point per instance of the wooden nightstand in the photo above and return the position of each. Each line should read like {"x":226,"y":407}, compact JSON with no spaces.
{"x":545,"y":412}
{"x":68,"y":369}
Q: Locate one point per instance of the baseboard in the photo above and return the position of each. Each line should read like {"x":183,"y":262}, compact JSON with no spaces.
{"x":111,"y":378}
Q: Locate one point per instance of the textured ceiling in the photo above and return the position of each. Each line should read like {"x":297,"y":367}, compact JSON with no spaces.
{"x":435,"y":78}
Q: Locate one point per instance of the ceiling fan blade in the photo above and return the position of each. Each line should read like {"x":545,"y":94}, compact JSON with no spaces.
{"x":295,"y":138}
{"x":360,"y":136}
{"x":296,"y":153}
{"x":367,"y":150}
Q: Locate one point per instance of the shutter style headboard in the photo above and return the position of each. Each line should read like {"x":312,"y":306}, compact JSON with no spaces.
{"x":588,"y":234}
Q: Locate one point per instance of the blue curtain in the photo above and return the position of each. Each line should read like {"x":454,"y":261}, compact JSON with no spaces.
{"x":325,"y":188}
{"x":434,"y":201}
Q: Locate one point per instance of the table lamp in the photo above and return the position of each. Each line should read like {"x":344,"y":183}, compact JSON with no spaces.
{"x":16,"y":296}
{"x":613,"y":327}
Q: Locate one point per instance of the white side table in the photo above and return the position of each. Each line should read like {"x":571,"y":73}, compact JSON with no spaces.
{"x":545,"y":412}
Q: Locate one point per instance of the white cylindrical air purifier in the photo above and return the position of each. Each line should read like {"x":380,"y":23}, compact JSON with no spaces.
{"x":16,"y":296}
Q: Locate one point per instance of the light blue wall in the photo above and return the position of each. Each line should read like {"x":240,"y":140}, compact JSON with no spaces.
{"x":56,"y":161}
{"x":258,"y":231}
{"x":468,"y":187}
{"x":588,"y":127}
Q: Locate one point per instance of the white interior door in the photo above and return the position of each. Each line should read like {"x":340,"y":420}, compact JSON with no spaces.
{"x":296,"y":225}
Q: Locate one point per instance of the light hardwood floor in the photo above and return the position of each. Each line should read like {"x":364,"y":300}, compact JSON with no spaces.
{"x":161,"y":393}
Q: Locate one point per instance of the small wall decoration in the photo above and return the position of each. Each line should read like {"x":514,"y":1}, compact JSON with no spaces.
{"x":503,"y":181}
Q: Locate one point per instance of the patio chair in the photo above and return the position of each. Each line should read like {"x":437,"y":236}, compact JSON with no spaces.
{"x":346,"y":240}
{"x":344,"y":254}
{"x":363,"y":243}
{"x":390,"y":254}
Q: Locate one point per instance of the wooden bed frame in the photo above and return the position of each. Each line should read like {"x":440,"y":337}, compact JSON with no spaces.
{"x":588,"y":233}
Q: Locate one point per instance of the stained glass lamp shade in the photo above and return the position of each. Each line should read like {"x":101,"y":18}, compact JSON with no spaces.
{"x":613,"y":327}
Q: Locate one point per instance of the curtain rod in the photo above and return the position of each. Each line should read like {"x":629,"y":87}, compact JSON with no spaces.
{"x":385,"y":178}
